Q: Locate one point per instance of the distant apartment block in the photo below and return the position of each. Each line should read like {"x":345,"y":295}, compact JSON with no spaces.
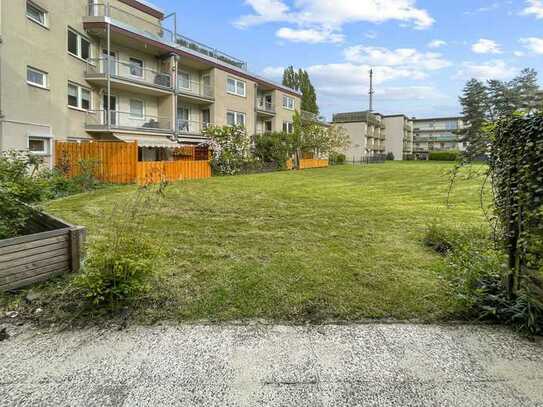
{"x":399,"y":140}
{"x":366,"y":131}
{"x":85,"y":70}
{"x":436,"y":134}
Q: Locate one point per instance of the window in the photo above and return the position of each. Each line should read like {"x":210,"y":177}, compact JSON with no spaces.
{"x":36,"y":77}
{"x":79,"y":97}
{"x":288,"y":127}
{"x":288,"y":103}
{"x":78,"y":45}
{"x":137,"y":108}
{"x":36,"y":14}
{"x":268,"y":126}
{"x":38,"y":145}
{"x":136,"y":67}
{"x":235,"y":87}
{"x":184,"y":80}
{"x":235,"y":119}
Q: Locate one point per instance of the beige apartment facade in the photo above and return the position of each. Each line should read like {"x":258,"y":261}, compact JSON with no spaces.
{"x":437,"y":134}
{"x":399,"y":140}
{"x":83,"y":70}
{"x":366,"y":131}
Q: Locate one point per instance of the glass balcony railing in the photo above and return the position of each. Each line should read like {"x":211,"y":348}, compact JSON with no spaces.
{"x":192,"y":126}
{"x":265,"y":105}
{"x":157,"y":31}
{"x":97,"y":119}
{"x":194,"y":88}
{"x":128,"y":70}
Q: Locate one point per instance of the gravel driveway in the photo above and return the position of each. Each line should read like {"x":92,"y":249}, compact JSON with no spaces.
{"x":258,"y":365}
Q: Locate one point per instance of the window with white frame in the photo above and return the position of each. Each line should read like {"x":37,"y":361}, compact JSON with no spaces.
{"x":78,"y":45}
{"x":38,"y":145}
{"x":137,"y":108}
{"x":288,"y":102}
{"x":236,"y":87}
{"x":235,"y":119}
{"x":184,"y":80}
{"x":79,"y":97}
{"x":288,"y":127}
{"x":136,"y":67}
{"x":36,"y":13}
{"x":36,"y":77}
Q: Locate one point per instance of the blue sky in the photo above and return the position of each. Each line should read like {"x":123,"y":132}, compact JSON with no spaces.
{"x":422,"y":51}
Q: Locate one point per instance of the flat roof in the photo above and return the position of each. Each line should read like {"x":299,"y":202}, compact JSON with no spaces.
{"x":438,"y":118}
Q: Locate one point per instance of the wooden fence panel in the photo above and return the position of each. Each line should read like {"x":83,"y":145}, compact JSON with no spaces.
{"x":313,"y":163}
{"x":116,"y":162}
{"x":154,"y":172}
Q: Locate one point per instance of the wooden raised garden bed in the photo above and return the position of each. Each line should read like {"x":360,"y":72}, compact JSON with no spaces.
{"x":51,"y":247}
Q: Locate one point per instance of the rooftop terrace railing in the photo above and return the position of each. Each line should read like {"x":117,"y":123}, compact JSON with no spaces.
{"x":158,"y":31}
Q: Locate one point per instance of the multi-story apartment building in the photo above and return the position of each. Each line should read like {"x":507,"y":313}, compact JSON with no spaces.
{"x":437,"y":134}
{"x":85,"y":70}
{"x":366,"y":131}
{"x":399,"y":140}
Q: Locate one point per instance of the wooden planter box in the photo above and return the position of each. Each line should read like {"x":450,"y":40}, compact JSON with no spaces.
{"x":51,"y":247}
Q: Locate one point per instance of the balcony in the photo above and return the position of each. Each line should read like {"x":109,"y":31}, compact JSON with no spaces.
{"x":192,"y":127}
{"x":126,"y":75}
{"x":194,"y":91}
{"x":265,"y":107}
{"x":145,"y":27}
{"x":96,"y":121}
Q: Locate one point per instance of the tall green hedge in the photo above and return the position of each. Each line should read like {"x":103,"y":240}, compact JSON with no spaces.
{"x":450,"y":155}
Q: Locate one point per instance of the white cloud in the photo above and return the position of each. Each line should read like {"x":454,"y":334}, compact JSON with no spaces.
{"x":437,"y":44}
{"x":485,"y":46}
{"x":273,"y":72}
{"x":312,"y":36}
{"x":497,"y":69}
{"x":330,"y":16}
{"x":534,"y":44}
{"x":519,"y":54}
{"x":399,"y":57}
{"x":535,"y":8}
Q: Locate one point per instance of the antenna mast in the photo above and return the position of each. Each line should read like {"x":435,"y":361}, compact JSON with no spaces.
{"x":372,"y":92}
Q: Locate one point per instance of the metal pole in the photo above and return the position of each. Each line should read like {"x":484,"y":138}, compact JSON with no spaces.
{"x":371,"y":90}
{"x":108,"y":62}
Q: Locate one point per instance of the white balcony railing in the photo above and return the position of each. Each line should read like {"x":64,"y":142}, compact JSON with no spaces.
{"x":195,"y":88}
{"x":124,"y":120}
{"x":265,"y":105}
{"x":192,"y":126}
{"x":128,"y":70}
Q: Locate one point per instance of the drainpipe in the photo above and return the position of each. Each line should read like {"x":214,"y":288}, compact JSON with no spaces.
{"x":173,"y":61}
{"x":108,"y":62}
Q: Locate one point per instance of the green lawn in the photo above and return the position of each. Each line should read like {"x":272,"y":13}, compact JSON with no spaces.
{"x":336,"y":243}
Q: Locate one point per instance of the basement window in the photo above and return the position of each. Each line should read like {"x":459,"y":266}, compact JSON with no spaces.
{"x":38,"y":145}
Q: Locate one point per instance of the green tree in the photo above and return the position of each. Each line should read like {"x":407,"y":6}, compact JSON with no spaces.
{"x":300,"y":81}
{"x":525,"y":87}
{"x":475,"y":109}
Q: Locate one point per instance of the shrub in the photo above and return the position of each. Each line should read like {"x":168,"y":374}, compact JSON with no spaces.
{"x":390,"y":156}
{"x":451,"y":155}
{"x":273,"y":148}
{"x":337,"y":159}
{"x":475,"y":272}
{"x":231,"y":149}
{"x":120,"y":262}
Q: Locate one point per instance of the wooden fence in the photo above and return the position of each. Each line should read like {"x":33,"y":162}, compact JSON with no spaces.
{"x":313,"y":163}
{"x":154,"y":172}
{"x":52,"y":248}
{"x":110,"y":161}
{"x":117,"y":162}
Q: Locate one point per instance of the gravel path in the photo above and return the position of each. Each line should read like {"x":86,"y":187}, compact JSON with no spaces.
{"x":256,"y":365}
